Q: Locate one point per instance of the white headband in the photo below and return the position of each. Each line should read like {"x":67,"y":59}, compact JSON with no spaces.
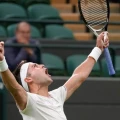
{"x":23,"y":74}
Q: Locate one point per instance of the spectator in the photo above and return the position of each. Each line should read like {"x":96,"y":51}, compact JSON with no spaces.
{"x":16,"y":54}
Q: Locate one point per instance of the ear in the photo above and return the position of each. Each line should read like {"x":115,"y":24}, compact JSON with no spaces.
{"x":28,"y":80}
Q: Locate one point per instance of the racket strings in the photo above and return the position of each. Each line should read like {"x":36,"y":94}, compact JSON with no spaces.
{"x":97,"y":24}
{"x":94,"y":11}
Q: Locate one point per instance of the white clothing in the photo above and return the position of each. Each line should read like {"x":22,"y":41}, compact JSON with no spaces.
{"x":45,"y":108}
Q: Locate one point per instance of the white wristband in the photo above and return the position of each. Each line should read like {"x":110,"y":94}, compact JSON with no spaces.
{"x":96,"y":52}
{"x":3,"y":65}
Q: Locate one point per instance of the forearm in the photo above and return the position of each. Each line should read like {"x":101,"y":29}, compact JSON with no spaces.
{"x":9,"y":81}
{"x":7,"y":77}
{"x":82,"y":71}
{"x":79,"y":76}
{"x":86,"y":67}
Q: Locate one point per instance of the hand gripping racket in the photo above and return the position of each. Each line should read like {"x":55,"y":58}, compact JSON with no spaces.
{"x":95,"y":14}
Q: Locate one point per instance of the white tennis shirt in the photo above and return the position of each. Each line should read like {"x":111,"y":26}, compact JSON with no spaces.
{"x":45,"y":108}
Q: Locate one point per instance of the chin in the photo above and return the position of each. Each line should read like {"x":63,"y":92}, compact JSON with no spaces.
{"x":50,"y":81}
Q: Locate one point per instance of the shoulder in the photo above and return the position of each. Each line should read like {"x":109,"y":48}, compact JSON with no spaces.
{"x":31,"y":95}
{"x":59,"y":93}
{"x":61,"y":88}
{"x":31,"y":103}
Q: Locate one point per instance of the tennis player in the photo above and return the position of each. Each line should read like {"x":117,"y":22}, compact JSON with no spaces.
{"x":32,"y":97}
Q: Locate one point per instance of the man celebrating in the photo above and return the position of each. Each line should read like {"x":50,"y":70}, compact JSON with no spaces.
{"x":32,"y":97}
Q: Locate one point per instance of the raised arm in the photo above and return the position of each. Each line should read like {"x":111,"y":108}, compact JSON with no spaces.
{"x":81,"y":73}
{"x":10,"y":82}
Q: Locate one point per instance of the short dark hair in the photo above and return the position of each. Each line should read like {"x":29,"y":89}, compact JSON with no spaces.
{"x":16,"y":72}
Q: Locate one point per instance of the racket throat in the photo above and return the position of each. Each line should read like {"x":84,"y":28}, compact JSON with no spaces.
{"x":95,"y":32}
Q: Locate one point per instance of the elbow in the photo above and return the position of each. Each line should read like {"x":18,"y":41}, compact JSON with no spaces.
{"x":81,"y":77}
{"x":84,"y":76}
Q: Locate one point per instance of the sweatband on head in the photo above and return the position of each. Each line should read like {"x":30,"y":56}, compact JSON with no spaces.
{"x":23,"y":75}
{"x":96,"y":52}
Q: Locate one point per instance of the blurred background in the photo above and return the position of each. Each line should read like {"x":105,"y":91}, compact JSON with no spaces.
{"x":62,"y":42}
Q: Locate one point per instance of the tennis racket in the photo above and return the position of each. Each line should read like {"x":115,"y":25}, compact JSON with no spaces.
{"x":95,"y":14}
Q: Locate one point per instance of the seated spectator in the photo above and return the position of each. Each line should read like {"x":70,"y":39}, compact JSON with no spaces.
{"x":16,"y":54}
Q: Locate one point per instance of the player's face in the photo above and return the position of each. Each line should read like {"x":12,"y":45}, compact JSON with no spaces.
{"x":39,"y":74}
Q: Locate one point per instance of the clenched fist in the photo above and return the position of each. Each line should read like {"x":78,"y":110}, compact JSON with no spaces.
{"x":1,"y":51}
{"x":102,"y":40}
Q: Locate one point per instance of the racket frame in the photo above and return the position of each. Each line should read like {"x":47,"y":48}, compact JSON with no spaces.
{"x":106,"y":51}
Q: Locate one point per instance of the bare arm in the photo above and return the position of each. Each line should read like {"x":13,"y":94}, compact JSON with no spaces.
{"x":12,"y":85}
{"x":81,"y":73}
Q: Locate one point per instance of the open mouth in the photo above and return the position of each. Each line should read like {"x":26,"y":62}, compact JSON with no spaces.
{"x":46,"y":72}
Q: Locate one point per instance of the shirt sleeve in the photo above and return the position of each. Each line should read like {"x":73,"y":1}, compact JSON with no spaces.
{"x":30,"y":104}
{"x":60,"y":94}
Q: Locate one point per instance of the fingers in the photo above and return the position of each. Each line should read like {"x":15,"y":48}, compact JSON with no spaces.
{"x":106,"y":44}
{"x":101,"y":36}
{"x":106,"y":36}
{"x":106,"y":39}
{"x":2,"y":43}
{"x":102,"y":40}
{"x":2,"y":47}
{"x":1,"y":50}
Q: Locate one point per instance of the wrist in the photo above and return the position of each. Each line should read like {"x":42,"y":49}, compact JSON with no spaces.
{"x":101,"y":48}
{"x":3,"y":65}
{"x":95,"y":53}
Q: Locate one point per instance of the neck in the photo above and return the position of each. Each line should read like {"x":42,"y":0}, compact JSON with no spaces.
{"x":42,"y":90}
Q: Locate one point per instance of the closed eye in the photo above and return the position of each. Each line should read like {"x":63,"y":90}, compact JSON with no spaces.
{"x":43,"y":66}
{"x":35,"y":65}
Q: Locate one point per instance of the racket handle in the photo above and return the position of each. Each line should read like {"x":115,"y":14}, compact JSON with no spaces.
{"x":109,"y":62}
{"x":108,"y":57}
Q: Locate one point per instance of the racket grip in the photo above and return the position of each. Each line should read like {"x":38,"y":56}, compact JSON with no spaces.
{"x":109,"y":62}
